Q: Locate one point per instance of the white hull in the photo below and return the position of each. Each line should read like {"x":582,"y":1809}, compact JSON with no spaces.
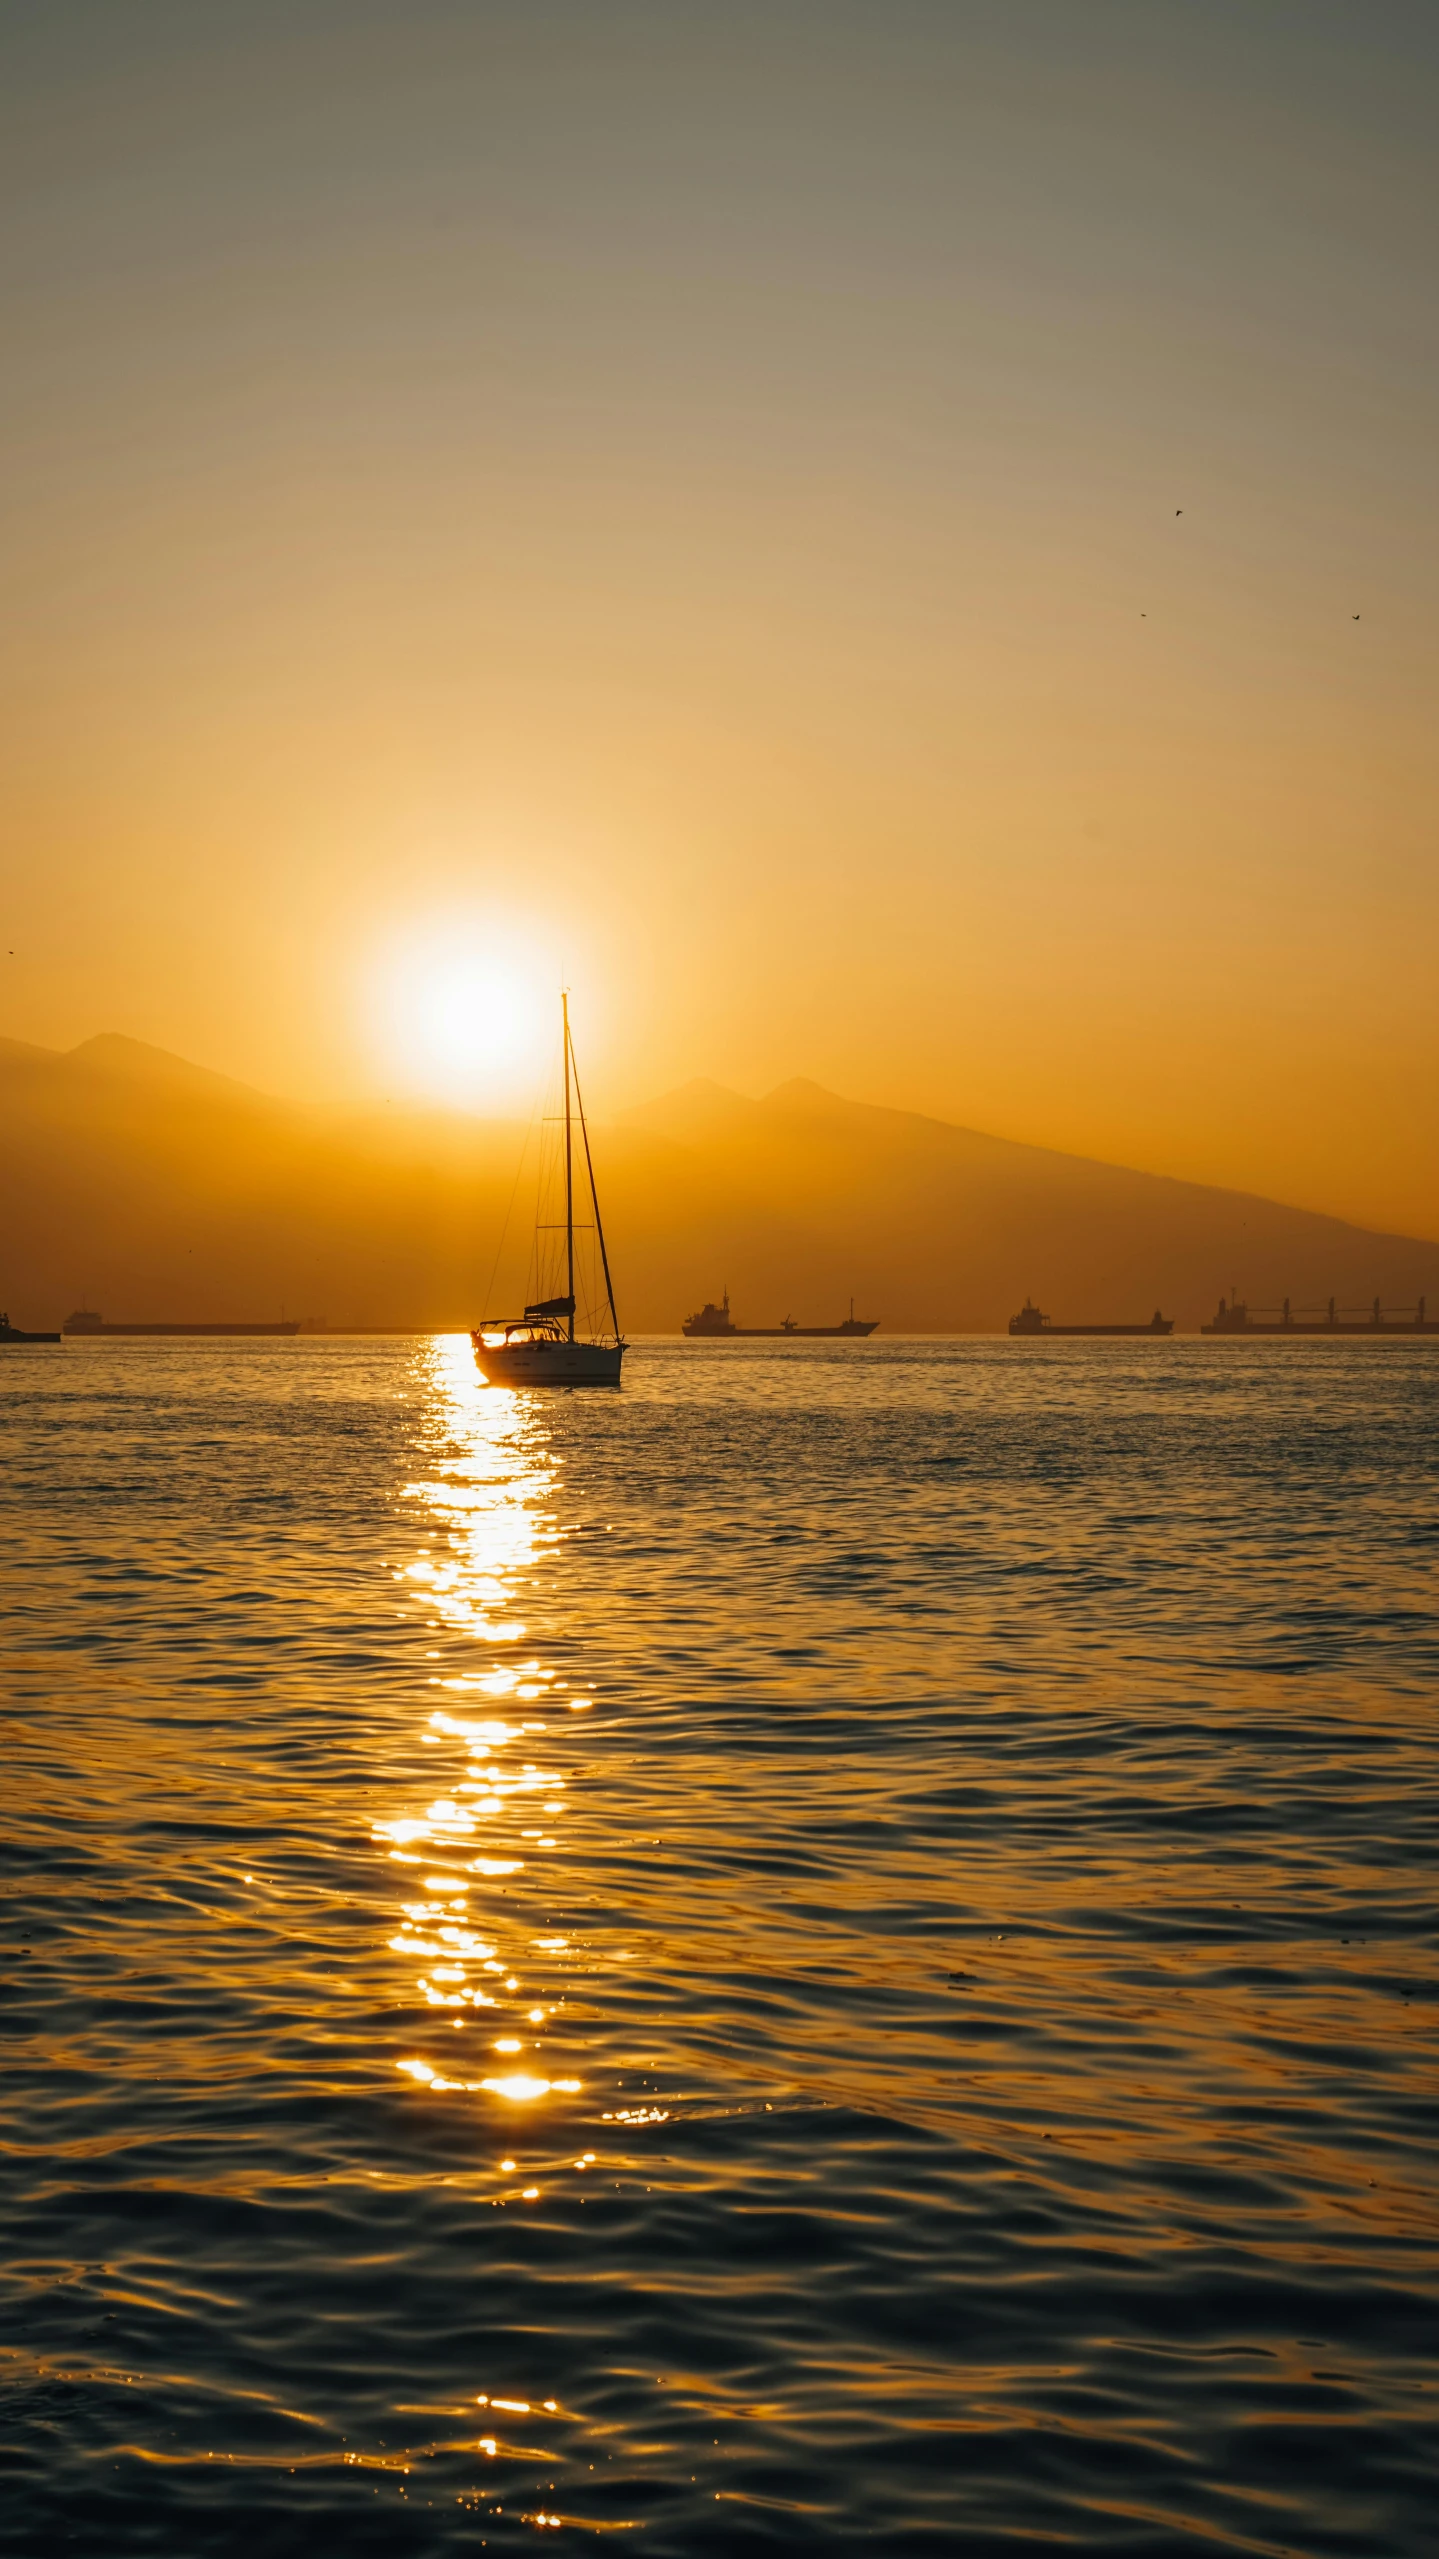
{"x":548,"y":1363}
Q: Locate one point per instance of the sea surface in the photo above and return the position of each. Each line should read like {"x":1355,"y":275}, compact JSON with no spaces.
{"x":833,"y":1952}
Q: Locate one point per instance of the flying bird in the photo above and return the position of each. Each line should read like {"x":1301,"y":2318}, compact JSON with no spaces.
{"x":1353,"y":617}
{"x":1179,"y":510}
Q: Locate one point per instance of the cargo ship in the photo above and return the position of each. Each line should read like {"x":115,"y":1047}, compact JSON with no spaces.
{"x":715,"y":1324}
{"x":11,"y":1333}
{"x":1029,"y":1322}
{"x":1399,"y":1322}
{"x":85,"y":1322}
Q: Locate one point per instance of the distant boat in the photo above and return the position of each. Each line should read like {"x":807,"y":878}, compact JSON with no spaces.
{"x":11,"y":1333}
{"x":1029,"y":1322}
{"x":714,"y":1324}
{"x":539,"y":1348}
{"x":1235,"y":1316}
{"x":84,"y":1321}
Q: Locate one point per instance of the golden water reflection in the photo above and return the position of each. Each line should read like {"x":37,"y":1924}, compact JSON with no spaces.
{"x":488,"y":1516}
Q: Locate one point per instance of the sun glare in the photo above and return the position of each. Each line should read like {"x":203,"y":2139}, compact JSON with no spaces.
{"x":463,"y":1019}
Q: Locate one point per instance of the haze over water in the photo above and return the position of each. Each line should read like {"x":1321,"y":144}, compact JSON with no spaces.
{"x":834,"y":1951}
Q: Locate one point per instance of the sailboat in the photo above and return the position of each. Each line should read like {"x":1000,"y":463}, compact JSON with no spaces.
{"x":539,"y":1348}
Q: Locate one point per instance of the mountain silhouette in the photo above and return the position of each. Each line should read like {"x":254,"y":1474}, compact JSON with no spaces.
{"x":162,"y":1190}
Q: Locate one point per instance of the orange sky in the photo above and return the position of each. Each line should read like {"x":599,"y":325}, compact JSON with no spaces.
{"x":687,"y":496}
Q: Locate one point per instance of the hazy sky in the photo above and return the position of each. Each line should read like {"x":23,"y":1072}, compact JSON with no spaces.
{"x":687,"y":495}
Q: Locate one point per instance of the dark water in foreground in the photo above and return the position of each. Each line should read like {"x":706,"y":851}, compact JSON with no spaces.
{"x":834,"y":1952}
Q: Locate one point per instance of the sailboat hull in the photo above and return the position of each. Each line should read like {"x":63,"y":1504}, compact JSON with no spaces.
{"x":548,"y":1363}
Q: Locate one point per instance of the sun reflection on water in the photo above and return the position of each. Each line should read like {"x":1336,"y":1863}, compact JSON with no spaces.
{"x":492,"y":1507}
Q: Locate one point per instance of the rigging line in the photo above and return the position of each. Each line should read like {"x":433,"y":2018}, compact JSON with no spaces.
{"x":535,"y":1110}
{"x":595,"y":1197}
{"x":537,"y":1283}
{"x":569,"y":1175}
{"x":541,"y":1119}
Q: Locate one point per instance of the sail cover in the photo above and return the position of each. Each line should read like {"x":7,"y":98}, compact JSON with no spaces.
{"x":552,"y":1306}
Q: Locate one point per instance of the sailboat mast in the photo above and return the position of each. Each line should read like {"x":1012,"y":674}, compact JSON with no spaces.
{"x":569,"y":1176}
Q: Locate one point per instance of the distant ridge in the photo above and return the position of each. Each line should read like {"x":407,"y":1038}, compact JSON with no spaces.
{"x":160,"y":1187}
{"x":111,"y":1053}
{"x":700,"y":1104}
{"x":17,"y":1051}
{"x":702,"y":1107}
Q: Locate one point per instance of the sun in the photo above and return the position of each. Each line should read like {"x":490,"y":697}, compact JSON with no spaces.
{"x":463,"y":1015}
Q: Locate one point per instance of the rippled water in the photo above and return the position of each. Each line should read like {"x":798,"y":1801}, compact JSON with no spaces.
{"x":834,"y":1951}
